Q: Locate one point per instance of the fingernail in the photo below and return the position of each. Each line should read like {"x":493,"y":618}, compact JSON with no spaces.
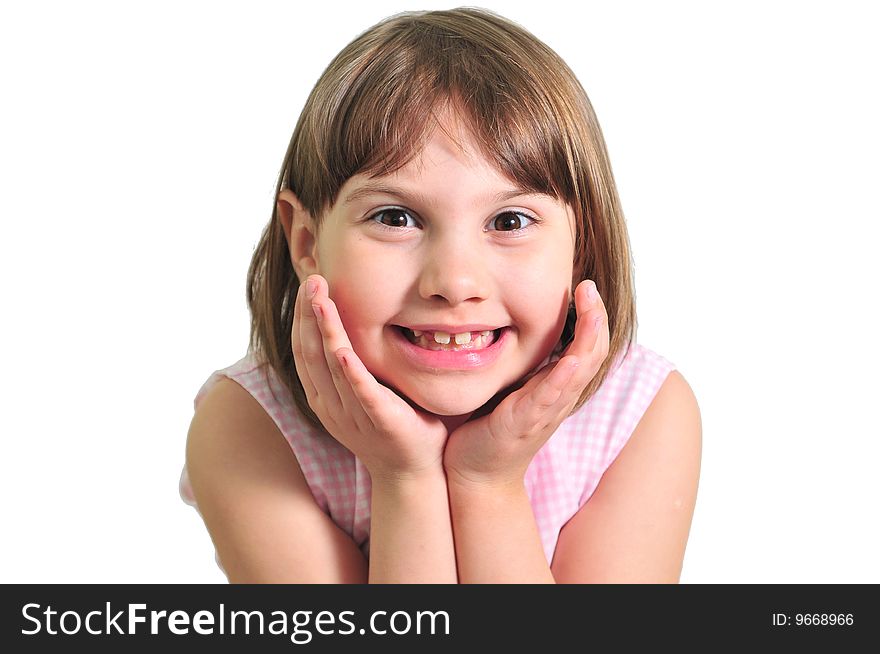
{"x":319,"y":314}
{"x":311,"y":287}
{"x":591,"y":291}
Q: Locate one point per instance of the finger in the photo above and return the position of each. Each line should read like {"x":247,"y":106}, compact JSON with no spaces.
{"x":335,"y":339}
{"x":313,"y":352}
{"x":592,"y":324}
{"x":296,"y":344}
{"x":365,"y":390}
{"x":546,"y":399}
{"x":327,"y":319}
{"x":380,"y":405}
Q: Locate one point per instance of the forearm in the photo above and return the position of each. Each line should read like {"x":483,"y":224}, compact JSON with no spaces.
{"x":496,"y":537}
{"x":411,"y":532}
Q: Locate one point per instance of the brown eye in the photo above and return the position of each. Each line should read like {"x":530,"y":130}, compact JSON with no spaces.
{"x":511,"y":221}
{"x":395,"y":218}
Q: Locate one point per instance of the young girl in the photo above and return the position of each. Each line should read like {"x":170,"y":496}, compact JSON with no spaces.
{"x":442,"y":383}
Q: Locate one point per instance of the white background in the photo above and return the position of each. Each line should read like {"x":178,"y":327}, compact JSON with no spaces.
{"x":139,"y":147}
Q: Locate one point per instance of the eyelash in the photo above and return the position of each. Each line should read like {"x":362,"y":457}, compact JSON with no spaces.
{"x":535,"y":221}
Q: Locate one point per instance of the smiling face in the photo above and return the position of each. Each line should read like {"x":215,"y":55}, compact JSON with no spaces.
{"x":449,"y":241}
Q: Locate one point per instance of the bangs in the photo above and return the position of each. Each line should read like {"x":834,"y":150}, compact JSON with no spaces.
{"x":492,"y":86}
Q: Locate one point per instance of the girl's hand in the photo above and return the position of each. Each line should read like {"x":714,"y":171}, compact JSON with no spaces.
{"x":497,"y":448}
{"x":390,"y":437}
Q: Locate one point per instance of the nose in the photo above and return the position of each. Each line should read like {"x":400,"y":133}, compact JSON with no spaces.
{"x":455,"y":268}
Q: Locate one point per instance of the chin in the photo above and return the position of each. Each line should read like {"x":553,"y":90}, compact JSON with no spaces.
{"x":447,"y":406}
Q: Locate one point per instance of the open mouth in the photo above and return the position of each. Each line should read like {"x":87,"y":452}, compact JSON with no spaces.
{"x":440,"y":341}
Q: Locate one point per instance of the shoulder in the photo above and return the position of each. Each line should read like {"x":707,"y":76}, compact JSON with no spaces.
{"x":632,"y":382}
{"x":635,"y":526}
{"x":672,"y":419}
{"x":254,"y":499}
{"x":230,"y":428}
{"x":225,"y":410}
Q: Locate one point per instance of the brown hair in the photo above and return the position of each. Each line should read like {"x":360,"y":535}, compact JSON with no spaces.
{"x":370,"y":112}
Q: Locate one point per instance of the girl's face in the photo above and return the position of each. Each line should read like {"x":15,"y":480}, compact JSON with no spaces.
{"x":445,"y":244}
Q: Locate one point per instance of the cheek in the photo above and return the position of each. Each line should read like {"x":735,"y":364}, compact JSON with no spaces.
{"x":364,"y":296}
{"x":539,"y":290}
{"x":362,"y":304}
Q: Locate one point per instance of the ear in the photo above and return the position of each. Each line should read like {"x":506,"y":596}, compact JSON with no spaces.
{"x":300,"y":232}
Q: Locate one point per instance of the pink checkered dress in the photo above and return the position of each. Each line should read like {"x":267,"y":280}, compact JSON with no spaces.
{"x":560,"y":479}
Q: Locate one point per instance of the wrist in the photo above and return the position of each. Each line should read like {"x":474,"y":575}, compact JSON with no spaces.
{"x":404,"y":480}
{"x":494,"y":485}
{"x":390,"y":473}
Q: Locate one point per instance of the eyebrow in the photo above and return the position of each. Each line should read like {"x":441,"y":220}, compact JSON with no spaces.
{"x":416,"y":197}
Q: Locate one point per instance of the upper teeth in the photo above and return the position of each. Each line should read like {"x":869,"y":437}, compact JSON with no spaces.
{"x":444,"y":337}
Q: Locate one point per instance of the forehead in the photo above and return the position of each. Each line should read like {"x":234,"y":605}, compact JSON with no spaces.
{"x":452,"y":136}
{"x":448,"y":147}
{"x":439,"y":167}
{"x":450,"y":142}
